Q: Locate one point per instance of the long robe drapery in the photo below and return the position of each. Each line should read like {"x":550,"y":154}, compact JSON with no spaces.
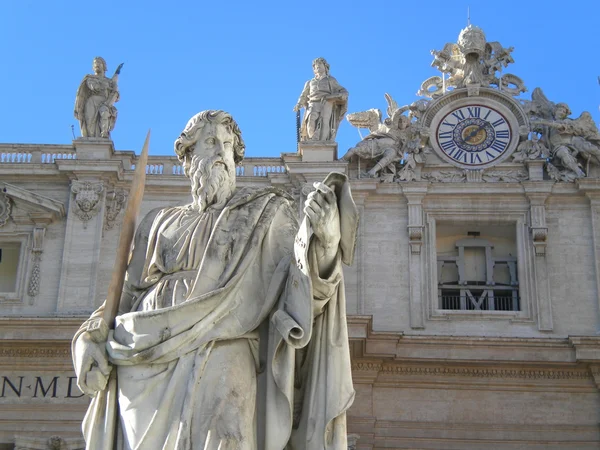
{"x":249,"y":274}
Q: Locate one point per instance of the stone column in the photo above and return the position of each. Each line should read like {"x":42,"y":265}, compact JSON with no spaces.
{"x":414,"y":193}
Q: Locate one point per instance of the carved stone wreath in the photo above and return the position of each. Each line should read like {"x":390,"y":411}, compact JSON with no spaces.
{"x":4,"y":209}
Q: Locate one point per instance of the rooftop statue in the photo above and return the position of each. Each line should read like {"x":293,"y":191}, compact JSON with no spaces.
{"x":395,"y":139}
{"x":471,"y":61}
{"x":325,"y":102}
{"x":94,"y":103}
{"x":573,"y":144}
{"x":231,"y":332}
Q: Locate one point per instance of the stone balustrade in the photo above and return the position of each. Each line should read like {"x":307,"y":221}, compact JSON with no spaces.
{"x":157,"y":165}
{"x":31,"y":154}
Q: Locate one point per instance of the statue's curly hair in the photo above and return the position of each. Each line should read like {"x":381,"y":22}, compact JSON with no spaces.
{"x":189,"y":136}
{"x":321,"y":60}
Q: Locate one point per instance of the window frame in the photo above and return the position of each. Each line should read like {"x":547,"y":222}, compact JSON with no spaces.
{"x":525,"y":264}
{"x":24,"y":239}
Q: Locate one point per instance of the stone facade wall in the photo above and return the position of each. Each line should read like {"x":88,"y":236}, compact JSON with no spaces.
{"x":424,"y":378}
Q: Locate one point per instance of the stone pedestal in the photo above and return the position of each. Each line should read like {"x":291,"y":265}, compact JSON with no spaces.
{"x":536,"y":169}
{"x":94,"y":148}
{"x":318,"y":151}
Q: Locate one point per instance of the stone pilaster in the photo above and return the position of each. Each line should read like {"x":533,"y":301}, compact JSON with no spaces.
{"x":414,"y":193}
{"x":81,"y":254}
{"x":537,"y":193}
{"x":591,"y":188}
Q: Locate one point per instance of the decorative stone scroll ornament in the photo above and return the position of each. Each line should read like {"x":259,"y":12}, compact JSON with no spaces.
{"x":471,"y":62}
{"x":4,"y":208}
{"x":325,"y":102}
{"x":38,"y":247}
{"x":94,"y":103}
{"x":115,"y":202}
{"x":397,"y":144}
{"x":352,"y":441}
{"x":573,"y":144}
{"x":51,"y":443}
{"x":87,"y":199}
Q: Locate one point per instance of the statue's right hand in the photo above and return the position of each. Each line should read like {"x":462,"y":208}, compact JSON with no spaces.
{"x":91,"y":364}
{"x":298,"y":107}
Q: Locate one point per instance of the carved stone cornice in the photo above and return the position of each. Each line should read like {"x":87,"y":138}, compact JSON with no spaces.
{"x":488,"y":372}
{"x":35,"y":351}
{"x":587,"y":348}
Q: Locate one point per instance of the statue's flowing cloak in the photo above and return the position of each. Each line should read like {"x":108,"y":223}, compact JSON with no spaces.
{"x":83,"y":93}
{"x":252,"y":273}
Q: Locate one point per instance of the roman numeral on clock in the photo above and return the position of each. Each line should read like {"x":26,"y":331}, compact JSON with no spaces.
{"x":498,"y":122}
{"x":499,"y":146}
{"x":459,"y":114}
{"x":448,"y":146}
{"x":458,"y":155}
{"x":474,"y":111}
{"x":445,"y":135}
{"x":502,"y":134}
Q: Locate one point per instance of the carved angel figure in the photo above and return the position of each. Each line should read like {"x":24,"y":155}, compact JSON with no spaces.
{"x":572,"y":142}
{"x":389,"y":140}
{"x":94,"y":103}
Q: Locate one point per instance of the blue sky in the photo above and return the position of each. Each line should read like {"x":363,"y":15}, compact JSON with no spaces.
{"x":252,"y":59}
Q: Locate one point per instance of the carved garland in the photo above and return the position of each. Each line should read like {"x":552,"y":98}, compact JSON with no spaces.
{"x":114,"y":205}
{"x":4,"y":208}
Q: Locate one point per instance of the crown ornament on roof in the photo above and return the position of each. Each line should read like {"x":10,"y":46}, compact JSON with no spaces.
{"x":471,"y":62}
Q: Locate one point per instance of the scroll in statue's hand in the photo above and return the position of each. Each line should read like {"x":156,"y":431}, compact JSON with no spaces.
{"x":91,"y":364}
{"x":322,"y":211}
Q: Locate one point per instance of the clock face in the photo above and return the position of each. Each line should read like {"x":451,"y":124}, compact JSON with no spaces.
{"x":474,"y":135}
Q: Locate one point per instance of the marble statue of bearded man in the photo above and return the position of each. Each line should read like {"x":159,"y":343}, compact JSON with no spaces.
{"x":232,"y":326}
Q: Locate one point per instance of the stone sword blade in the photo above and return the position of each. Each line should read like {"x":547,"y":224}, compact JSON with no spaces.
{"x":115,"y":288}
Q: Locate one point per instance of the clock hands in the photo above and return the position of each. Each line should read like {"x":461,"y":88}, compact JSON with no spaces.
{"x":474,"y":133}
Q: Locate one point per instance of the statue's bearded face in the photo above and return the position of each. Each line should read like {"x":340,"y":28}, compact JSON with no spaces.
{"x":212,"y":168}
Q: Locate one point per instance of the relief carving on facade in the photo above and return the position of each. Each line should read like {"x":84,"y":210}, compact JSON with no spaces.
{"x":4,"y":208}
{"x":52,"y":443}
{"x":396,"y":145}
{"x":571,"y":145}
{"x":38,"y":247}
{"x":115,"y":203}
{"x":87,"y":199}
{"x":472,"y":62}
{"x":492,"y":176}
